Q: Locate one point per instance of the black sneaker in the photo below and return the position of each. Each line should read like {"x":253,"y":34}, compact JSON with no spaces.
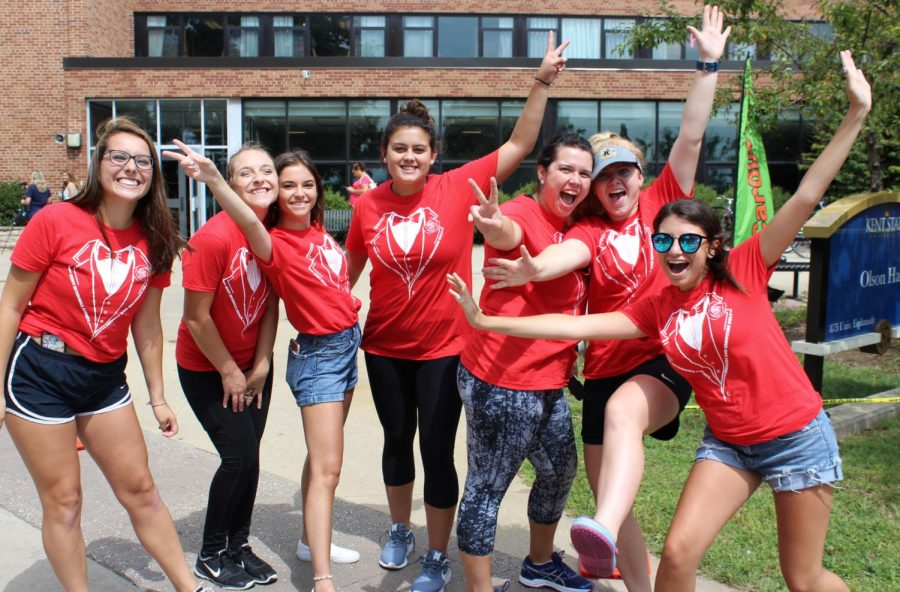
{"x":256,"y":568}
{"x":221,"y":570}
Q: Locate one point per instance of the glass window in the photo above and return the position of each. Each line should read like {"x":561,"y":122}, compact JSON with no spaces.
{"x":669,"y":125}
{"x":720,"y":178}
{"x":329,"y":35}
{"x":243,"y":36}
{"x":162,"y":36}
{"x":666,"y":50}
{"x":369,"y":31}
{"x":617,"y":36}
{"x":142,"y":112}
{"x":99,"y":112}
{"x":418,"y":36}
{"x":215,"y":123}
{"x":319,"y":127}
{"x":741,"y":51}
{"x":458,"y":36}
{"x":220,"y":157}
{"x":181,"y":120}
{"x":203,"y":36}
{"x":498,"y":36}
{"x":635,"y":120}
{"x":585,"y":36}
{"x":290,"y":36}
{"x":538,"y":28}
{"x":577,"y":116}
{"x":524,"y":173}
{"x":509,"y":115}
{"x":783,"y":141}
{"x":470,"y":128}
{"x":265,"y":122}
{"x":333,"y":176}
{"x":367,"y":120}
{"x":720,"y":142}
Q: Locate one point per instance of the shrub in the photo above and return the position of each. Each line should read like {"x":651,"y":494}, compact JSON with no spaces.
{"x":10,"y":196}
{"x":334,"y":200}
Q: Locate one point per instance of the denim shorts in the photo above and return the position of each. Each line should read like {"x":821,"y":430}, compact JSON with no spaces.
{"x":799,"y":460}
{"x":321,"y":368}
{"x":50,"y":387}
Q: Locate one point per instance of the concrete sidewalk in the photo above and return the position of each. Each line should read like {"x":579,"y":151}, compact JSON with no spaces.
{"x":184,"y":465}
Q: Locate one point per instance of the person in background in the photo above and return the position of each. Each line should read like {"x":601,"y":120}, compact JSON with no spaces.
{"x":69,"y":186}
{"x":83,"y":273}
{"x":765,"y":421}
{"x":362,"y":183}
{"x":37,"y":195}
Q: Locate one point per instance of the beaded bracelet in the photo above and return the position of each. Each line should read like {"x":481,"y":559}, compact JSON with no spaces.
{"x":320,"y":578}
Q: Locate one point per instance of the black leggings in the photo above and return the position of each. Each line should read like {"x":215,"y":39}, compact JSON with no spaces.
{"x":236,"y":437}
{"x":405,"y":391}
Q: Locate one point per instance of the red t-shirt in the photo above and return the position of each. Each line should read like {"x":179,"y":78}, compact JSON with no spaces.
{"x":729,"y":346}
{"x":222,"y":263}
{"x":513,"y":362}
{"x":624,"y":268}
{"x":413,"y":242}
{"x":89,"y":291}
{"x":309,"y":271}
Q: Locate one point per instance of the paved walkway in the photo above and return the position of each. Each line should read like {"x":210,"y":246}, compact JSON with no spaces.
{"x":184,"y":465}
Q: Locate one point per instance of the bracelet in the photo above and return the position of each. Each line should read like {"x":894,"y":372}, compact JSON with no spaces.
{"x":544,"y":82}
{"x":320,"y":578}
{"x":707,"y":66}
{"x":149,"y":404}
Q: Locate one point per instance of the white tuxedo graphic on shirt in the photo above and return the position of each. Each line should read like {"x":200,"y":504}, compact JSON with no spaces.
{"x":700,"y":339}
{"x":328,"y":264}
{"x":108,"y":283}
{"x":621,"y":258}
{"x":246,"y":287}
{"x":406,"y":244}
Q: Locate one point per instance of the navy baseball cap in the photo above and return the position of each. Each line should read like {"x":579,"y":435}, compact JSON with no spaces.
{"x":607,"y":155}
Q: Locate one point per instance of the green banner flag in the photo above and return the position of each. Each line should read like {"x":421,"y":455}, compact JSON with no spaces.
{"x":753,"y":197}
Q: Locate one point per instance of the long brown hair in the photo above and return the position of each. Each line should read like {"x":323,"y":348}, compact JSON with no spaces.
{"x":302,"y":158}
{"x":152,"y":211}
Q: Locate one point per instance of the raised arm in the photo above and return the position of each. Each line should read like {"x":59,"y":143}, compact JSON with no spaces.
{"x":686,"y":151}
{"x":528,"y":126}
{"x":613,"y":325}
{"x":554,"y":261}
{"x":204,"y":170}
{"x":775,"y":237}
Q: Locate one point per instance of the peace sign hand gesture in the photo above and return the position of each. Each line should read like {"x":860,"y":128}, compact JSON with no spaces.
{"x":554,"y":61}
{"x":195,"y":166}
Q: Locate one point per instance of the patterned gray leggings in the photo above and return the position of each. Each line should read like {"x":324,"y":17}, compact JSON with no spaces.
{"x":504,"y":428}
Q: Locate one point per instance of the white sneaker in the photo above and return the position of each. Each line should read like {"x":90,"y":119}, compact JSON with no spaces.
{"x":338,"y":554}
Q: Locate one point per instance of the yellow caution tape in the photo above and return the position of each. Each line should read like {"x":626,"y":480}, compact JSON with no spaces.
{"x":838,"y":401}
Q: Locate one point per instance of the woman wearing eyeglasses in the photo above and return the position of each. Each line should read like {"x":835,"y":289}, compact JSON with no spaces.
{"x":765,"y":420}
{"x":630,"y":389}
{"x":83,"y":273}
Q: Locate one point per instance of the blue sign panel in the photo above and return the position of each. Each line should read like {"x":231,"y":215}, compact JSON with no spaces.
{"x":864,"y":273}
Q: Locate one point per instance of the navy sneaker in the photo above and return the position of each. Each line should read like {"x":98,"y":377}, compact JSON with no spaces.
{"x":435,"y":573}
{"x":553,"y":574}
{"x":259,"y":570}
{"x":399,"y":546}
{"x":221,"y":570}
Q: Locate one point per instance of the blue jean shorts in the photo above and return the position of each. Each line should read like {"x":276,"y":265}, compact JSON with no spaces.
{"x":800,"y":460}
{"x":321,"y":368}
{"x":50,"y":387}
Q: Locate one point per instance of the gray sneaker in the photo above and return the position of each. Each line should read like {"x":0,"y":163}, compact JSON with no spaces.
{"x":435,"y":573}
{"x":398,"y":547}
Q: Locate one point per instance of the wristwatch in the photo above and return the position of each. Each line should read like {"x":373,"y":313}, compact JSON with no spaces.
{"x":707,"y":66}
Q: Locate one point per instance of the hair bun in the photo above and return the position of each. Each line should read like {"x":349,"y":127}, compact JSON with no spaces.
{"x":417,"y":108}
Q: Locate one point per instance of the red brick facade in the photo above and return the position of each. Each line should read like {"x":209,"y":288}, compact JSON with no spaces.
{"x":40,"y":99}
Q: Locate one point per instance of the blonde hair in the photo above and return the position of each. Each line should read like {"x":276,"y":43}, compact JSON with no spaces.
{"x":38,"y":180}
{"x":591,"y":206}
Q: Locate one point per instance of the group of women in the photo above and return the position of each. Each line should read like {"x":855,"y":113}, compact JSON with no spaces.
{"x":65,"y":373}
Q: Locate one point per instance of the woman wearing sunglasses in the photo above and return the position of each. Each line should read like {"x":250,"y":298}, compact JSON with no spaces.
{"x":630,"y":389}
{"x":765,"y":420}
{"x":83,"y":273}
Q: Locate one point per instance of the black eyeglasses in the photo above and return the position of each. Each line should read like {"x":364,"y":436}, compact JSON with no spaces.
{"x":120,"y":158}
{"x":689,"y":242}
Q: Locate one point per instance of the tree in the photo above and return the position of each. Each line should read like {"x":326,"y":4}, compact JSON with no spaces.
{"x":802,"y":68}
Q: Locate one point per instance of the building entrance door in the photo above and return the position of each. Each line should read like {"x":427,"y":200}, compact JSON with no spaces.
{"x":182,"y":192}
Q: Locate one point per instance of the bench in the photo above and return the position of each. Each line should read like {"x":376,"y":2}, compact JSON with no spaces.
{"x":337,"y":222}
{"x":795,"y":267}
